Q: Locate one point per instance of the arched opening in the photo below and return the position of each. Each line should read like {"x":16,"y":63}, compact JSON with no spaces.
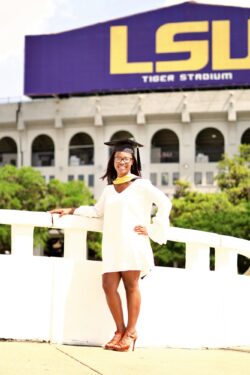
{"x":8,"y":151}
{"x":245,"y":139}
{"x":165,"y":147}
{"x":43,"y":151}
{"x":81,"y":150}
{"x":209,"y":146}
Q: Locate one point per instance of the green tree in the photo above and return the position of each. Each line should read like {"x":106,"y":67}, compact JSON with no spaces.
{"x":234,"y":175}
{"x":21,"y":189}
{"x":212,"y":213}
{"x":226,"y":212}
{"x":94,"y":244}
{"x":26,"y":189}
{"x":182,"y":188}
{"x":70,"y":194}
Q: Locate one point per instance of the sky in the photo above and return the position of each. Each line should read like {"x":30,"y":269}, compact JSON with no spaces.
{"x":31,"y":17}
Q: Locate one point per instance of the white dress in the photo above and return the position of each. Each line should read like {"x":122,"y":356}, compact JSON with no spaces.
{"x":122,"y":248}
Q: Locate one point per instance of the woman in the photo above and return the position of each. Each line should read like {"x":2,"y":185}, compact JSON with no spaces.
{"x":126,"y":205}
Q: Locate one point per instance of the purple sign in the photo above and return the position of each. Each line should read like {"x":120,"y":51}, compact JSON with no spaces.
{"x":179,"y":47}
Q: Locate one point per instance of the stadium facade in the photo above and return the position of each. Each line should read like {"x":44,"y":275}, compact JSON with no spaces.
{"x":176,"y":79}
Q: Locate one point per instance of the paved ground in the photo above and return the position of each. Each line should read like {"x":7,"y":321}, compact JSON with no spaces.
{"x":26,"y":358}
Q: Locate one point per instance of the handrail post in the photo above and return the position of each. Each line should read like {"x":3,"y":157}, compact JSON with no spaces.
{"x":226,"y":260}
{"x":197,"y":257}
{"x":75,"y":243}
{"x":22,"y":240}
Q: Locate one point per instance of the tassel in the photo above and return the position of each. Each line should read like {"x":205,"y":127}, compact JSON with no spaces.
{"x":138,"y":159}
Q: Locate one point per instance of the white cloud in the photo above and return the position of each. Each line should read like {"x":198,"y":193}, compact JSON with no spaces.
{"x":17,"y":19}
{"x":20,"y":17}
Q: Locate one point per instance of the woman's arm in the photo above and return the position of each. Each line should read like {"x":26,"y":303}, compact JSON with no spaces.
{"x":158,"y":229}
{"x":96,"y":210}
{"x":63,"y":211}
{"x":93,"y":211}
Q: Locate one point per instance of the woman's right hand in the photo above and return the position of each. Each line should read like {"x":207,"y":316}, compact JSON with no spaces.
{"x":62,"y":211}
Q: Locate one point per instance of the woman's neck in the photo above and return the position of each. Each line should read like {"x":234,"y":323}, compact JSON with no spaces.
{"x":123,"y":174}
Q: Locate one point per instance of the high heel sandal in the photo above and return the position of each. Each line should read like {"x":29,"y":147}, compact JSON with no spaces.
{"x":114,"y":341}
{"x":128,"y":341}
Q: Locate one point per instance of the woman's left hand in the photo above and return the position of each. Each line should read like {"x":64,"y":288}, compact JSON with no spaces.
{"x":139,"y":229}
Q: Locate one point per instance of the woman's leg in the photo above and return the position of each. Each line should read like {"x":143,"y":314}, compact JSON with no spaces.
{"x":110,"y":283}
{"x":131,"y":284}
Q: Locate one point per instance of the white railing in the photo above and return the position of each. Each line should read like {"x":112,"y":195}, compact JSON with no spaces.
{"x":198,"y":243}
{"x":61,"y":300}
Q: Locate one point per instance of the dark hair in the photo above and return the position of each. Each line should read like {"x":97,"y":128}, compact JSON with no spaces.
{"x":111,"y":173}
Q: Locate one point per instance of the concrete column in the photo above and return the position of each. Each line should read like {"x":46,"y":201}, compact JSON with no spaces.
{"x":197,"y":257}
{"x":231,"y":144}
{"x":187,"y":154}
{"x":145,"y":152}
{"x":75,"y":243}
{"x":25,"y":150}
{"x":22,"y":240}
{"x":61,"y":155}
{"x":100,"y":160}
{"x":226,"y":260}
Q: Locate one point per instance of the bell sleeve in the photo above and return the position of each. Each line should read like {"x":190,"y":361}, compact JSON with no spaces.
{"x":158,"y":228}
{"x":92,"y":211}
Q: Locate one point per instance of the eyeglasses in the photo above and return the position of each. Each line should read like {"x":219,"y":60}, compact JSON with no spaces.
{"x":125,"y":160}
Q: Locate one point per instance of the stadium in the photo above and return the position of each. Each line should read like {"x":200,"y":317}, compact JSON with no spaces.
{"x":176,"y":79}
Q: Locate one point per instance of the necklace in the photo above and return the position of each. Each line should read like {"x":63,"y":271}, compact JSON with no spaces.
{"x":123,"y":179}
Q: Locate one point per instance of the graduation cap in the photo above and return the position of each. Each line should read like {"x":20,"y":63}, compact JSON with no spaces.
{"x":126,"y":145}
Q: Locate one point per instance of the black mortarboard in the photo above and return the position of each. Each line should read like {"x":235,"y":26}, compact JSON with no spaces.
{"x":126,"y":145}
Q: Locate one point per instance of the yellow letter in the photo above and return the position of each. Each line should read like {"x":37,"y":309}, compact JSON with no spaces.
{"x":119,"y":54}
{"x":198,"y":49}
{"x":221,"y":48}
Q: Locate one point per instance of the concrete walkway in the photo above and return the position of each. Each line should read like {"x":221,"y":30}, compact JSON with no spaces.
{"x":26,"y":358}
